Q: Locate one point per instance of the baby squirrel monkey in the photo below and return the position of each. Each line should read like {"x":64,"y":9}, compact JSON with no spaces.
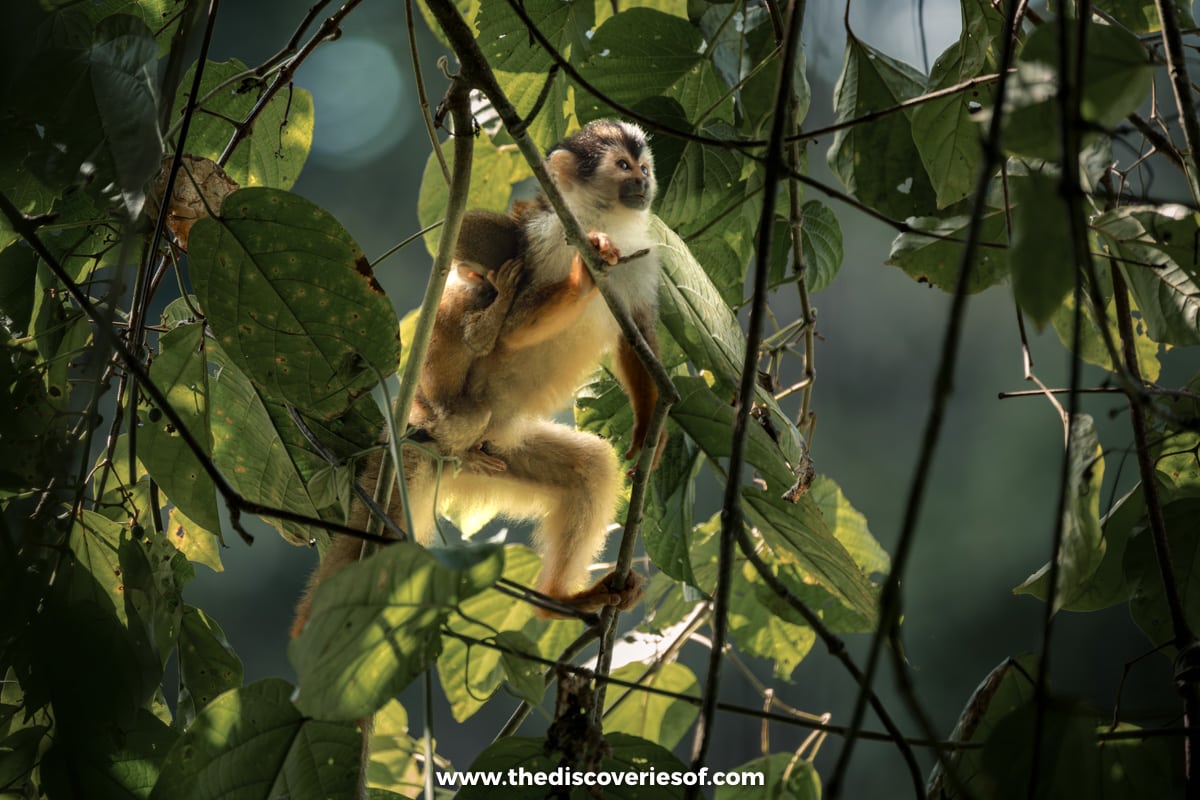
{"x":511,"y":347}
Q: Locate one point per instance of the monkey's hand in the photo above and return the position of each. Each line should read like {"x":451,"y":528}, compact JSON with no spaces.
{"x":608,"y":251}
{"x":603,"y":593}
{"x":480,"y":461}
{"x":507,"y":278}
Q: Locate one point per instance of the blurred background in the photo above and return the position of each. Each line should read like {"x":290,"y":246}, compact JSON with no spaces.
{"x":988,"y":516}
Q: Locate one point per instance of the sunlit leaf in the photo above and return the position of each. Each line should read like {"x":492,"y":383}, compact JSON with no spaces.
{"x":376,"y":625}
{"x":291,"y":299}
{"x":253,"y":743}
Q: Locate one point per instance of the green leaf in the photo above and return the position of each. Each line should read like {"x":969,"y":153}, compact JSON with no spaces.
{"x":669,"y":510}
{"x":822,"y":245}
{"x":1042,"y":257}
{"x":471,"y":674}
{"x":181,"y":372}
{"x":1155,"y":245}
{"x":88,"y":91}
{"x":523,"y":674}
{"x":521,"y":66}
{"x":655,"y":717}
{"x":292,"y":300}
{"x":758,"y":627}
{"x":1117,"y":75}
{"x":946,"y":133}
{"x":207,"y":665}
{"x":1006,"y":688}
{"x":120,"y":767}
{"x":1141,"y":16}
{"x":251,"y":453}
{"x":396,"y":757}
{"x":788,"y":777}
{"x":1092,"y":347}
{"x":693,"y":312}
{"x":1148,"y":605}
{"x":638,"y":53}
{"x":936,"y":261}
{"x":375,"y":626}
{"x":701,"y":185}
{"x":879,"y":162}
{"x":797,"y":534}
{"x":493,"y":173}
{"x":253,"y":743}
{"x":1083,"y":544}
{"x":274,"y":151}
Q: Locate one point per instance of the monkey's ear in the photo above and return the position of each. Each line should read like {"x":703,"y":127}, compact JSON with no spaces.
{"x":563,"y":167}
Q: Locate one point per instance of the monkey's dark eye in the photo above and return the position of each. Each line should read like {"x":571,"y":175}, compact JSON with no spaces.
{"x":645,"y":170}
{"x":623,"y":164}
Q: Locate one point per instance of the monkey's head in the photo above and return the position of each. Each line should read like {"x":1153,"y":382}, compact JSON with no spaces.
{"x":607,"y":166}
{"x":485,"y":241}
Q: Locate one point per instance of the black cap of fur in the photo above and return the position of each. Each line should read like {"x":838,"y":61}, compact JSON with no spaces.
{"x":599,"y":137}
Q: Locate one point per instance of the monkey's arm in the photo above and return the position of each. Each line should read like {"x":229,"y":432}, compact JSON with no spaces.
{"x":481,"y":328}
{"x":548,"y":312}
{"x":640,"y":387}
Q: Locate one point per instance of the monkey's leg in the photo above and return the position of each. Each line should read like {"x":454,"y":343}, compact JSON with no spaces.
{"x":642,"y":392}
{"x":568,"y":482}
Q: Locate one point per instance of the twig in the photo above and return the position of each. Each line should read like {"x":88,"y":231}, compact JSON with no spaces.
{"x":236,"y":503}
{"x":1071,"y":77}
{"x":1181,"y":85}
{"x":732,"y":520}
{"x":891,"y":602}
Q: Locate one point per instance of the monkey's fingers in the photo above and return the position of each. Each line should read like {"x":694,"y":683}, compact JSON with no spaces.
{"x":608,"y":251}
{"x":479,"y":461}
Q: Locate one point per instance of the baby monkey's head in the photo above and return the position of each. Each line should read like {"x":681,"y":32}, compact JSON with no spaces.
{"x":607,"y":165}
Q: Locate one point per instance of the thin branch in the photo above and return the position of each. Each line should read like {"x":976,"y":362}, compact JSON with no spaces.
{"x":103,"y":330}
{"x":732,"y":521}
{"x":1181,"y":85}
{"x":891,"y":601}
{"x":1071,"y":77}
{"x":328,"y":30}
{"x":422,"y":97}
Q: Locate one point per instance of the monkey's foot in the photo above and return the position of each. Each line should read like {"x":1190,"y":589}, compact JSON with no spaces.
{"x":602,"y":593}
{"x":608,"y":250}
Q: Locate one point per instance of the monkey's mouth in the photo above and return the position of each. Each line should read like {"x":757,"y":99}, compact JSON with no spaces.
{"x":635,"y":201}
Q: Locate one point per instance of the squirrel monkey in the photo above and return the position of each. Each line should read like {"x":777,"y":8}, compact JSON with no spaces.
{"x":555,"y":330}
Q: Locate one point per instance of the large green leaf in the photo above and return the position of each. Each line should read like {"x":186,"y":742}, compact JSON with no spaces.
{"x":181,"y":371}
{"x":936,"y":259}
{"x":521,"y":66}
{"x":376,"y":625}
{"x":470,"y":674}
{"x":274,"y":151}
{"x":879,"y":162}
{"x":250,"y":451}
{"x":208,"y":666}
{"x":292,"y":300}
{"x":1117,"y":76}
{"x":638,"y":53}
{"x":253,"y":743}
{"x":1159,"y":259}
{"x":693,"y":312}
{"x":86,"y":89}
{"x":1005,"y":689}
{"x":1148,"y":606}
{"x":655,"y":717}
{"x":1042,"y":257}
{"x":946,"y":133}
{"x":1083,"y":543}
